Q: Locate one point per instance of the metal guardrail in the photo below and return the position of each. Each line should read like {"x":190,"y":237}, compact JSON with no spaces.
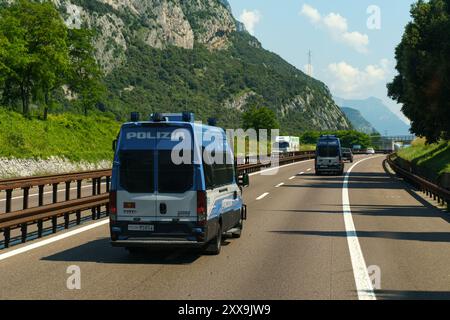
{"x":441,"y":195}
{"x":25,"y":217}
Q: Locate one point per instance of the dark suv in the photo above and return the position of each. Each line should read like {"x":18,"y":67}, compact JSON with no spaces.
{"x":347,"y":154}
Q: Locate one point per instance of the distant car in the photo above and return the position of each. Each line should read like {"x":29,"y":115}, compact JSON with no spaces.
{"x":347,"y":154}
{"x":370,"y":151}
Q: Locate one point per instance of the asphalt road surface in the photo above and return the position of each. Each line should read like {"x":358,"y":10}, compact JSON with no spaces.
{"x":298,"y":243}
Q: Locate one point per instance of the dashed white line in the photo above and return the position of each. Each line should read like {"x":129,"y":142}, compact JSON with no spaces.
{"x":262,"y":196}
{"x":279,"y":185}
{"x":309,"y":169}
{"x":301,"y":173}
{"x":362,"y":279}
{"x":292,"y":178}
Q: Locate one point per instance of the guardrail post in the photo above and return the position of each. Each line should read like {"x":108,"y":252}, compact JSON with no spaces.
{"x":55,"y":192}
{"x":94,"y":190}
{"x":108,"y":181}
{"x":26,"y":193}
{"x":78,"y":213}
{"x":23,"y":230}
{"x":99,"y":191}
{"x":66,"y":215}
{"x":55,"y":200}
{"x":41,"y":195}
{"x":7,"y":236}
{"x":40,"y":225}
{"x":68,"y":190}
{"x":8,"y":200}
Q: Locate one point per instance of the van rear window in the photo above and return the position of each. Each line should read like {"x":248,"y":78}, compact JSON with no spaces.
{"x":328,"y":151}
{"x":173,"y":178}
{"x":137,"y":171}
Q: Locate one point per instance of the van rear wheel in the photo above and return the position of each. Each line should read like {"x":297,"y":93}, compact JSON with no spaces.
{"x":214,"y":247}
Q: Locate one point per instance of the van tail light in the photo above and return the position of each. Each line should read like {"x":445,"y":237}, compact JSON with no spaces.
{"x":201,"y":208}
{"x":113,"y":205}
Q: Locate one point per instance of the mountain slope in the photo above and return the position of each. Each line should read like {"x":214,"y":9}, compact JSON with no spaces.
{"x":358,"y":121}
{"x":378,"y":114}
{"x":175,"y":55}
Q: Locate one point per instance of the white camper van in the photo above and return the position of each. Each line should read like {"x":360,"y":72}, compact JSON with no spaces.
{"x":286,"y":144}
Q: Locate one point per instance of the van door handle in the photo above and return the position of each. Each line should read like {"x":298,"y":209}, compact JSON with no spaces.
{"x":223,"y":190}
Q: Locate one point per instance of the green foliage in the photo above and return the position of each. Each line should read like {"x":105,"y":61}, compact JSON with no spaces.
{"x":260,"y":118}
{"x":430,"y":159}
{"x":423,"y":85}
{"x":74,"y":137}
{"x":85,"y":74}
{"x":39,"y":55}
{"x":349,"y":138}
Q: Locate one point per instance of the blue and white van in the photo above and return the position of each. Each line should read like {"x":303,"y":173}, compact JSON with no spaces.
{"x":329,"y":155}
{"x":169,"y":187}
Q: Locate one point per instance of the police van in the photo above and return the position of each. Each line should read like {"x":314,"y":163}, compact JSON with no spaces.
{"x":174,"y":184}
{"x":329,"y":155}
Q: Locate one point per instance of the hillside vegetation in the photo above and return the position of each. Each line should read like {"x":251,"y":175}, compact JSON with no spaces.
{"x":431,"y":159}
{"x":69,"y":136}
{"x":154,"y":56}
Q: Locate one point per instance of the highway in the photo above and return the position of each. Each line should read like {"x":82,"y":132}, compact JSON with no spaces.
{"x":298,"y":243}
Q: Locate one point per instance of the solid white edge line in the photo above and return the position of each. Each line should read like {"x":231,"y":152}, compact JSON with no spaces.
{"x":362,"y":279}
{"x":52,"y":240}
{"x":262,"y":196}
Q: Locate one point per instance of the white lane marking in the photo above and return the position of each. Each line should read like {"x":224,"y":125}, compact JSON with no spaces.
{"x":362,"y":279}
{"x":52,"y":240}
{"x":292,"y":178}
{"x":262,"y":196}
{"x":279,"y":185}
{"x":49,"y":192}
{"x":309,"y":169}
{"x":301,"y":173}
{"x":280,"y":167}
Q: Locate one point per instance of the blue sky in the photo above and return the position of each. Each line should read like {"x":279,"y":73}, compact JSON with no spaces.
{"x":355,"y":61}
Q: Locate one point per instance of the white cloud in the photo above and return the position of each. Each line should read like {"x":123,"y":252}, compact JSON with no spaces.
{"x":337,"y":26}
{"x":250,"y":18}
{"x":312,"y":13}
{"x":350,"y":82}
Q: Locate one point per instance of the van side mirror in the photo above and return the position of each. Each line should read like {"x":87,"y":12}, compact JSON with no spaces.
{"x":244,"y":180}
{"x":114,"y":145}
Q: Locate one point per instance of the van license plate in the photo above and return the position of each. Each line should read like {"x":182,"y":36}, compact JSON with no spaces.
{"x":141,"y":227}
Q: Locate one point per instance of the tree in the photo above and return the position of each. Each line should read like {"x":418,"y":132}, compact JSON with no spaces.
{"x":85,"y":74}
{"x":260,"y":118}
{"x":36,"y":51}
{"x":423,"y":83}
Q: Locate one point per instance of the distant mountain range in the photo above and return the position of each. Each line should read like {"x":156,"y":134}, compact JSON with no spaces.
{"x":377,"y":114}
{"x":358,"y":121}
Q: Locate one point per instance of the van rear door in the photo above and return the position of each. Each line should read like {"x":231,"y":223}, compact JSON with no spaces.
{"x":176,"y":191}
{"x":136,"y":194}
